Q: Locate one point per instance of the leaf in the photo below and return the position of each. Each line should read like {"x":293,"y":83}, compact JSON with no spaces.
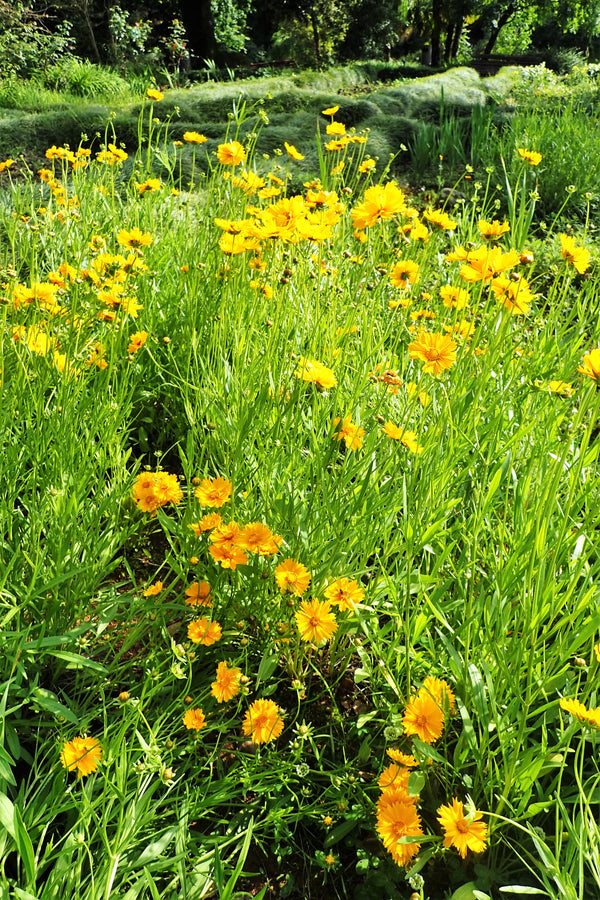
{"x":155,"y":848}
{"x":78,"y":662}
{"x":24,"y":846}
{"x":416,"y":783}
{"x":340,"y":831}
{"x":49,"y":701}
{"x":6,"y":763}
{"x":7,"y":815}
{"x":521,"y":889}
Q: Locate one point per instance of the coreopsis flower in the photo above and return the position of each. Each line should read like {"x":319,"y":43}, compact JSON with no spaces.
{"x":113,"y":155}
{"x":578,"y":257}
{"x":463,"y":831}
{"x":194,"y":719}
{"x":153,"y":94}
{"x":257,"y":537}
{"x":81,"y":755}
{"x":344,"y":593}
{"x":591,"y":364}
{"x":263,"y":722}
{"x":403,"y":759}
{"x":6,"y":164}
{"x":336,"y":128}
{"x":395,"y":778}
{"x":514,"y":294}
{"x":424,"y":717}
{"x":531,"y":156}
{"x":405,"y":272}
{"x":154,"y":489}
{"x":225,"y":533}
{"x":231,"y":154}
{"x":454,"y":297}
{"x":407,"y":438}
{"x":441,"y":219}
{"x":437,"y":351}
{"x":291,"y":151}
{"x":492,"y":231}
{"x":366,"y":166}
{"x":193,"y":137}
{"x":292,"y":577}
{"x":462,"y":329}
{"x":315,"y":372}
{"x":226,"y":685}
{"x":397,"y":820}
{"x":134,"y":238}
{"x":315,"y":620}
{"x":379,"y":203}
{"x":203,"y":631}
{"x":150,"y":186}
{"x":228,"y":555}
{"x":206,"y":523}
{"x":349,"y":432}
{"x":137,"y":341}
{"x":560,"y":387}
{"x":153,"y":589}
{"x":214,"y":491}
{"x":198,"y":594}
{"x":330,"y":111}
{"x":486,"y":263}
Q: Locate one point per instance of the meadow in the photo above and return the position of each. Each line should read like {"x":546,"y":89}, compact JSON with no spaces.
{"x":299,"y":587}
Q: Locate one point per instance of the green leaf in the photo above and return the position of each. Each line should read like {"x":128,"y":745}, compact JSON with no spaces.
{"x":7,"y":815}
{"x":155,"y":848}
{"x":340,"y":831}
{"x":78,"y":662}
{"x":6,"y":764}
{"x":521,"y":889}
{"x":24,"y":846}
{"x":49,"y":701}
{"x":416,"y":783}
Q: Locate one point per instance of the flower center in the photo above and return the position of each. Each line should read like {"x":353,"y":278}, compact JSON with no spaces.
{"x":433,"y":354}
{"x":462,"y":826}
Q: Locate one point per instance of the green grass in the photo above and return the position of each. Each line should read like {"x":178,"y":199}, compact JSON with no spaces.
{"x":476,"y":553}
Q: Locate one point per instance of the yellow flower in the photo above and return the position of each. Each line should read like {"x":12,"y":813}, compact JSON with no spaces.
{"x":214,"y":491}
{"x":206,"y":523}
{"x":149,"y":186}
{"x":397,"y":820}
{"x":578,"y":257}
{"x":258,"y":538}
{"x":437,"y":351}
{"x":366,"y":166}
{"x":316,"y":373}
{"x":336,"y":128}
{"x":404,"y":273}
{"x":231,"y":154}
{"x":153,"y":94}
{"x":134,"y":238}
{"x":198,"y":594}
{"x":330,"y":111}
{"x":344,"y":594}
{"x":531,"y":156}
{"x":137,"y":341}
{"x":424,"y":717}
{"x":560,"y":387}
{"x":292,"y":577}
{"x":486,"y":263}
{"x":491,"y":231}
{"x":465,"y":832}
{"x":6,"y":164}
{"x":514,"y":293}
{"x":202,"y":631}
{"x":291,"y":151}
{"x":228,"y":555}
{"x":82,"y":754}
{"x":263,"y":722}
{"x":227,"y":683}
{"x":153,"y":589}
{"x":441,"y":692}
{"x":591,"y":364}
{"x":154,"y":489}
{"x":193,"y":137}
{"x":441,"y":219}
{"x":315,"y":620}
{"x":194,"y":719}
{"x":349,"y":432}
{"x":407,"y":438}
{"x":454,"y":297}
{"x":403,"y":759}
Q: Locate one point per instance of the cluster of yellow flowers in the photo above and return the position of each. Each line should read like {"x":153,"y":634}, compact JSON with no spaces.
{"x":397,"y":814}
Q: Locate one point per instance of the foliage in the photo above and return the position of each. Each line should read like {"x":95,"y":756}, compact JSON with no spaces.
{"x":27,"y":45}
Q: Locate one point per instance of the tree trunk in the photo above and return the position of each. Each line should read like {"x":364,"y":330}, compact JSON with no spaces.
{"x":456,"y":38}
{"x":502,"y":20}
{"x":316,"y":36}
{"x":196,"y":16}
{"x":436,"y":34}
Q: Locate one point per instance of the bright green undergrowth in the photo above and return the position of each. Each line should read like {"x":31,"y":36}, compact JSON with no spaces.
{"x":477,"y":556}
